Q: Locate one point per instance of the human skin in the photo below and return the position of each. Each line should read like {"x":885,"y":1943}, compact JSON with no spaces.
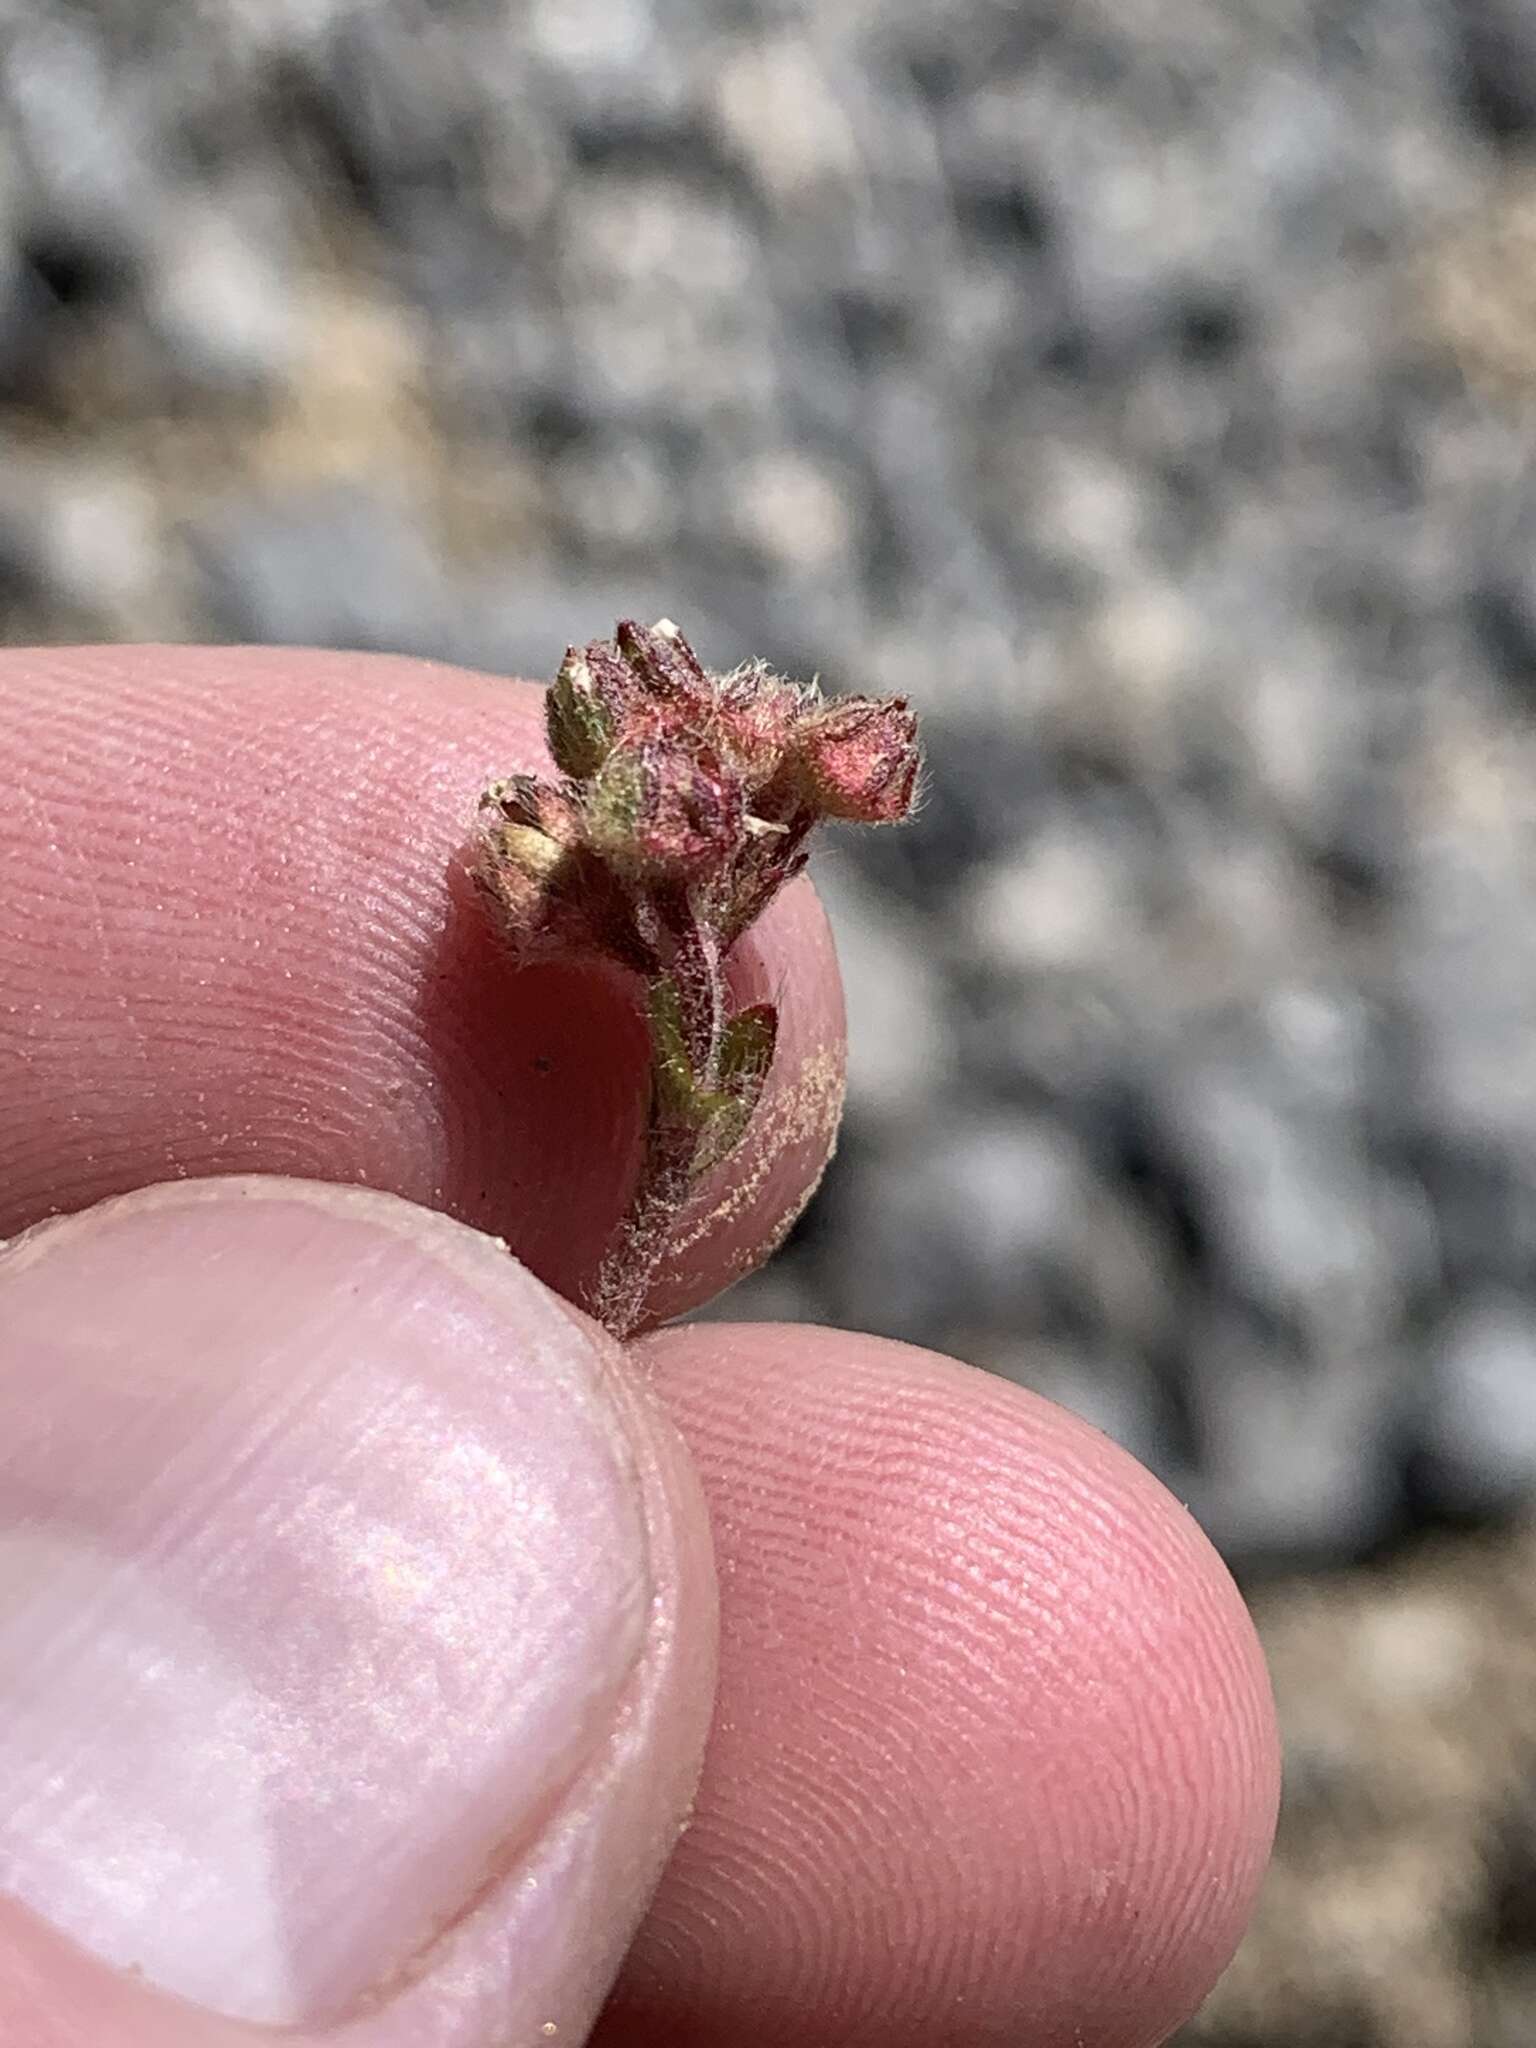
{"x":992,"y":1756}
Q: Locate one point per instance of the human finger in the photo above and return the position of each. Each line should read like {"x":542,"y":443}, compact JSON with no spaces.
{"x":994,"y":1757}
{"x":356,"y":1631}
{"x":237,"y":935}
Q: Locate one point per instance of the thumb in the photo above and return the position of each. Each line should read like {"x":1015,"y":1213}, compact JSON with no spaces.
{"x":356,"y":1631}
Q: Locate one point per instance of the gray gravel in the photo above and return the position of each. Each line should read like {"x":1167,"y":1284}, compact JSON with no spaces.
{"x":1143,"y":387}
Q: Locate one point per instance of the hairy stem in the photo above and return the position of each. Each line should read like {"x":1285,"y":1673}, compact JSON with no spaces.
{"x":623,"y":1282}
{"x":666,"y":1178}
{"x":700,"y":983}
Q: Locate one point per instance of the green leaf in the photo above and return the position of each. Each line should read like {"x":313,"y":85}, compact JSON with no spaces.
{"x":746,"y":1052}
{"x":726,"y":1120}
{"x":718,"y":1115}
{"x":677,"y":1088}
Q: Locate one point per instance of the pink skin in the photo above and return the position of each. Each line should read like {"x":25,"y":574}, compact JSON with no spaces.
{"x":993,"y":1756}
{"x":356,"y":1647}
{"x":1016,"y":1721}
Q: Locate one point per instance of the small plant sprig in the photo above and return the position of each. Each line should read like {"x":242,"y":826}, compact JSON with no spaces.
{"x":684,"y":803}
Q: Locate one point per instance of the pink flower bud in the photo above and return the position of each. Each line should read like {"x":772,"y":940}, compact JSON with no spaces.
{"x":858,"y":759}
{"x":754,"y":721}
{"x":664,"y":812}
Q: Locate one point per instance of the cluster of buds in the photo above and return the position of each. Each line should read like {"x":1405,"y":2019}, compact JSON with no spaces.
{"x":677,"y":784}
{"x":684,"y":802}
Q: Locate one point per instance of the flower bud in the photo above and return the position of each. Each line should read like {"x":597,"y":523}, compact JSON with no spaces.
{"x":525,"y":800}
{"x":755,"y":719}
{"x":532,"y":852}
{"x":665,"y":813}
{"x":516,"y":867}
{"x":579,"y":722}
{"x":858,"y":759}
{"x":663,"y":662}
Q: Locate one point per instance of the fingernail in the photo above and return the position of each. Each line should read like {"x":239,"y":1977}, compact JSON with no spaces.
{"x":323,"y":1568}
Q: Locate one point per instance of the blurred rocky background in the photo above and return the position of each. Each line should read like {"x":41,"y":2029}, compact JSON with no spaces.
{"x":1145,"y":387}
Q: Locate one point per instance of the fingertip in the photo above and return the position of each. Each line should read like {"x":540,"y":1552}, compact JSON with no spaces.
{"x":994,"y":1754}
{"x":311,"y":989}
{"x":356,"y":1629}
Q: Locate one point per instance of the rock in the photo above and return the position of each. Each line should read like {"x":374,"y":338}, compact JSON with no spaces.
{"x":1479,"y":1421}
{"x":335,"y":568}
{"x":989,"y":1233}
{"x":898,"y":1043}
{"x":1295,"y":1459}
{"x":1498,"y":68}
